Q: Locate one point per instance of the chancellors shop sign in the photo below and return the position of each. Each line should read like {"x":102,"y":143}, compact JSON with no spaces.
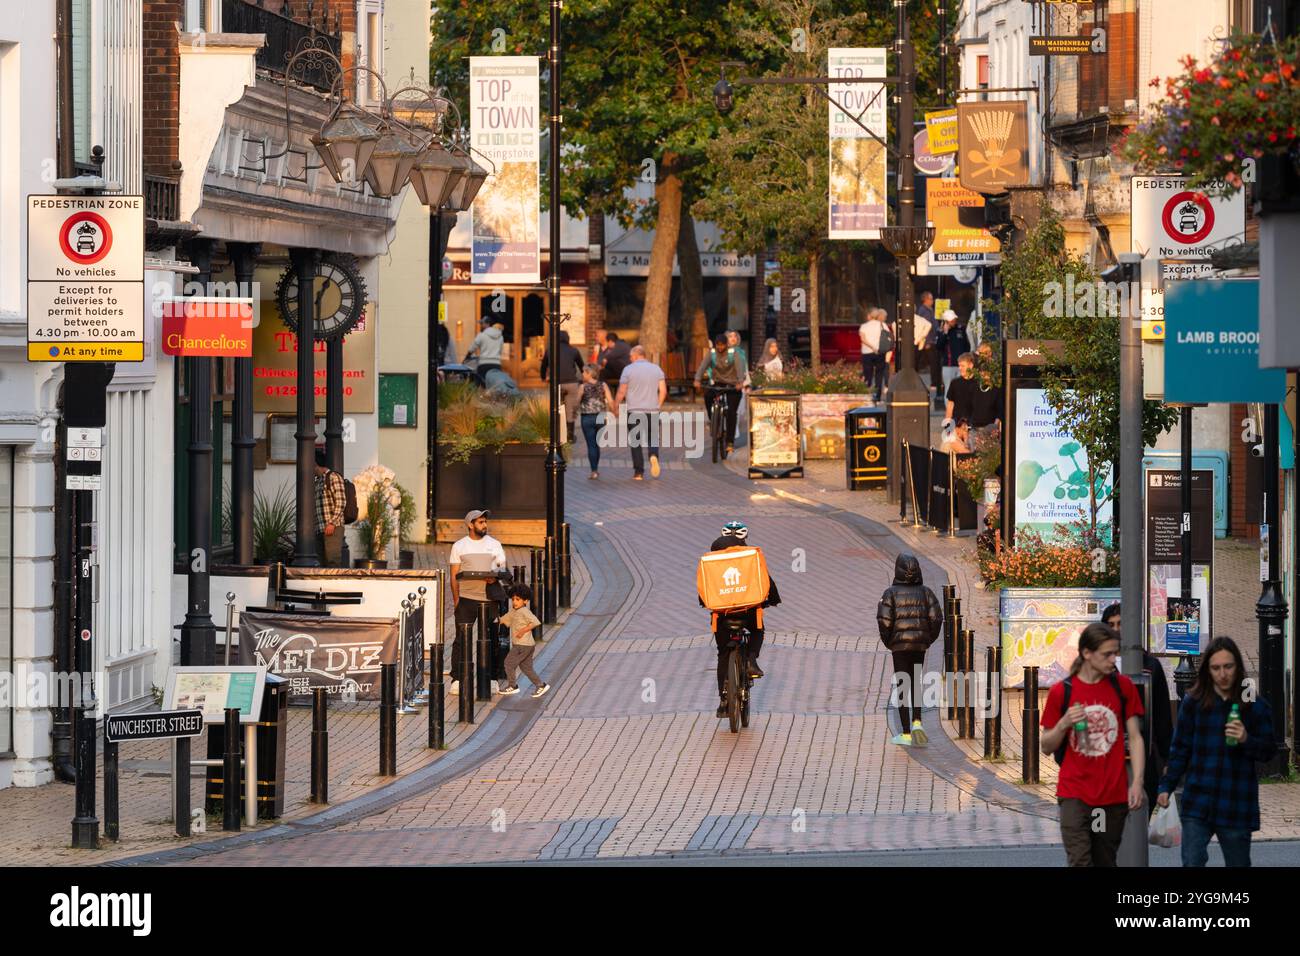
{"x":1212,"y":344}
{"x":341,"y":654}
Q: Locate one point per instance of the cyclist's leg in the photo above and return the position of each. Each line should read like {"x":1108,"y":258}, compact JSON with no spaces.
{"x":733,"y":408}
{"x":723,"y":642}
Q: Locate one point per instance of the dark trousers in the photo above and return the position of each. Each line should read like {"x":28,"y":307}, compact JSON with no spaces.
{"x":331,"y":546}
{"x":732,"y":397}
{"x":642,"y":432}
{"x":1235,"y":843}
{"x":521,"y":658}
{"x":722,"y":638}
{"x":873,"y":371}
{"x":936,"y":370}
{"x":591,"y":431}
{"x":467,"y":613}
{"x":1091,"y":839}
{"x":909,"y":693}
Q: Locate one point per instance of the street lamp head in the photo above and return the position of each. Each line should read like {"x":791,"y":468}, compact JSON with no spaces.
{"x":723,"y":97}
{"x":391,"y":164}
{"x":345,"y":145}
{"x":436,"y":174}
{"x":462,"y":196}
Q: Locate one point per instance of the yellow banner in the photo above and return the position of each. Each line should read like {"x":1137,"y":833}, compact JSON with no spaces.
{"x":941,"y":128}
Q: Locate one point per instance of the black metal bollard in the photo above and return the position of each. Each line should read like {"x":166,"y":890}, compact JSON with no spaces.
{"x":437,"y":700}
{"x":955,"y":668}
{"x":949,"y":596}
{"x":990,"y":704}
{"x":320,"y":746}
{"x":1029,"y":728}
{"x":972,"y":665}
{"x":230,"y":801}
{"x":181,"y":811}
{"x":535,"y":575}
{"x":517,"y":572}
{"x":110,"y":787}
{"x":388,"y":720}
{"x":483,"y":687}
{"x":566,"y":567}
{"x":466,"y":675}
{"x":997,"y":712}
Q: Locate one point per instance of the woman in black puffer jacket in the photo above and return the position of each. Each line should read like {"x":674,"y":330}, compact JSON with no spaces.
{"x":910,"y":620}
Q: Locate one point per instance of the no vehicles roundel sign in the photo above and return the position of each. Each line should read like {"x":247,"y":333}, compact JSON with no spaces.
{"x":85,"y":238}
{"x":1187,"y":217}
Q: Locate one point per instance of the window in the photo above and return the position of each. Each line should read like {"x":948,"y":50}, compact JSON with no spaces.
{"x":370,"y":40}
{"x":6,"y":589}
{"x":81,"y":78}
{"x":982,"y":72}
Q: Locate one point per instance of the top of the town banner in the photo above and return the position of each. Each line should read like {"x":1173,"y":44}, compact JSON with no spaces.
{"x":85,"y":278}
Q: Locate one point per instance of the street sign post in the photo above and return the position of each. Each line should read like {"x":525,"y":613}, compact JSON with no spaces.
{"x":1171,"y":221}
{"x":85,"y":278}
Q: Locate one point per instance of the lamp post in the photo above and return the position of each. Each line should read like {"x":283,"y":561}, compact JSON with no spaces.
{"x":554,"y":458}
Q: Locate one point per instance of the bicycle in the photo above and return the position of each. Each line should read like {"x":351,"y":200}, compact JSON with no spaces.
{"x":739,"y":680}
{"x":718,"y":435}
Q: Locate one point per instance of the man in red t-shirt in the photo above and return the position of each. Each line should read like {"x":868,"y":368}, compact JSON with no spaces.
{"x":1094,"y":789}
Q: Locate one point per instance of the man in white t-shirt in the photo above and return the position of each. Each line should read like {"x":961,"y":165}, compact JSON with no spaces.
{"x":471,"y":594}
{"x":874,"y":350}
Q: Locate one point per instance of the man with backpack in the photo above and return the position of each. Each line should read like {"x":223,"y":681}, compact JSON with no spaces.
{"x":331,"y":504}
{"x":1088,"y":719}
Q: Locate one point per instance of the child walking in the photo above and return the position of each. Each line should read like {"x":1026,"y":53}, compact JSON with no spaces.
{"x":521,"y":621}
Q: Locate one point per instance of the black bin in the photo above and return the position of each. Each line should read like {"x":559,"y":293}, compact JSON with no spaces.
{"x":272,"y":732}
{"x":866,"y":447}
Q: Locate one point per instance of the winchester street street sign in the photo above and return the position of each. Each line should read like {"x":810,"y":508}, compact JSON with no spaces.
{"x":85,"y":278}
{"x":157,"y":725}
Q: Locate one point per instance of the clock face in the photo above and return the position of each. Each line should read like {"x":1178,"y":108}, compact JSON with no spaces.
{"x":339,"y":295}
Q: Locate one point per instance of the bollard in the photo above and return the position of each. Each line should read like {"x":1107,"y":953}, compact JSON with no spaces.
{"x":997,"y":713}
{"x":436,"y":698}
{"x":483,"y":687}
{"x":320,"y":746}
{"x":388,"y":720}
{"x":949,"y":596}
{"x":466,"y":675}
{"x":181,"y":768}
{"x":969,"y":678}
{"x":566,"y":567}
{"x":535,"y":575}
{"x":988,"y":704}
{"x":549,"y":575}
{"x":955,"y":669}
{"x":230,"y":804}
{"x":110,"y":787}
{"x":1029,"y":728}
{"x":517,"y":572}
{"x":230,"y":623}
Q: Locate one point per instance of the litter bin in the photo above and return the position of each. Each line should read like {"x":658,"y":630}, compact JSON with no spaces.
{"x":866,"y":447}
{"x":272,"y":730}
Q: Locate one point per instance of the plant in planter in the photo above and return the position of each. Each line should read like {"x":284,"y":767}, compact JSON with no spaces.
{"x":469,"y":421}
{"x":1243,"y":105}
{"x":839,"y":378}
{"x":378,"y":489}
{"x":1075,"y":556}
{"x":274,"y":523}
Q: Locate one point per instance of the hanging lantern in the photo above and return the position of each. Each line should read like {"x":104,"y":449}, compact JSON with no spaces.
{"x":437,"y":174}
{"x":462,"y":196}
{"x":390,"y":165}
{"x":346,"y":144}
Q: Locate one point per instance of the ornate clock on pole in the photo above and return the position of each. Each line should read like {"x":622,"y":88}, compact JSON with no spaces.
{"x":340,"y":294}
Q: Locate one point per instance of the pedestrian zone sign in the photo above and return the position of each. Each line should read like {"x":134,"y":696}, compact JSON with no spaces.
{"x":85,"y":278}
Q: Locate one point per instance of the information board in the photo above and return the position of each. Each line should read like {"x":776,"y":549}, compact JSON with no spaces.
{"x":214,"y":689}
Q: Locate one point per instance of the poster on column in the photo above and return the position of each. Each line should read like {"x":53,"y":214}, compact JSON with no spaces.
{"x":858,"y":172}
{"x":506,"y":215}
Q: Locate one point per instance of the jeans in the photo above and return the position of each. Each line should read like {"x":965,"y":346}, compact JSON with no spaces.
{"x":591,"y":422}
{"x":722,"y":638}
{"x":873,"y":371}
{"x":1235,"y":844}
{"x":642,"y":431}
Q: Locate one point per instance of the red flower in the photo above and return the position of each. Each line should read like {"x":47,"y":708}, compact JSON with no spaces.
{"x":1225,"y":82}
{"x":1268,"y":78}
{"x":1202,"y":76}
{"x":1272,"y":137}
{"x":1287,"y":70}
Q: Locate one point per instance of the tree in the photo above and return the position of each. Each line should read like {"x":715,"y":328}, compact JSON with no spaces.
{"x":1082,"y":383}
{"x":636,"y":91}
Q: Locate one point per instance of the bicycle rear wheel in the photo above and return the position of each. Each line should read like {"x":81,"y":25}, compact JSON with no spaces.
{"x":734,"y":690}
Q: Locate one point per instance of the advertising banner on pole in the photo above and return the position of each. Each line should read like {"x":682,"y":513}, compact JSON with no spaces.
{"x":505,"y":218}
{"x":1174,"y":626}
{"x":994,"y":145}
{"x":859,"y":171}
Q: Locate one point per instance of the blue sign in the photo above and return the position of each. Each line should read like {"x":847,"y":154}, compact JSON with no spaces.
{"x":1212,"y":344}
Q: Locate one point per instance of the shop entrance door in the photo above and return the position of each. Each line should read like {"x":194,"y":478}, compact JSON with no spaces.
{"x":523,"y":313}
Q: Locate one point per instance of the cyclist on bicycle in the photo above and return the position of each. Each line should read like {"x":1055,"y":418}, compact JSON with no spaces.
{"x":726,"y":373}
{"x":734,"y":534}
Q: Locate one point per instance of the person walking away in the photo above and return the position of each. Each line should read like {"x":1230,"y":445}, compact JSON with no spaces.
{"x":910,"y":619}
{"x":928,"y":351}
{"x":770,"y":364}
{"x":569,"y":372}
{"x":1222,"y":733}
{"x":642,"y":389}
{"x":520,"y":621}
{"x":876,"y":342}
{"x":469,"y":595}
{"x":953,"y":344}
{"x":487,"y":346}
{"x":735,"y":534}
{"x":331,"y":496}
{"x":1087,"y":720}
{"x":594,"y":402}
{"x":1160,"y":722}
{"x":725,"y":376}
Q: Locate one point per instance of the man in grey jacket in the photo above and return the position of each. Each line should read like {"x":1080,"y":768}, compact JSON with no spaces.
{"x":487,"y":346}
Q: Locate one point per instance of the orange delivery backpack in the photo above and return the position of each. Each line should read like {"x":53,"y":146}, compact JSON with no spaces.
{"x":733,"y":578}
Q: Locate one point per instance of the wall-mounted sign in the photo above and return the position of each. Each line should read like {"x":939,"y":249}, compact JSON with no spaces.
{"x":275,"y":365}
{"x":926,"y":162}
{"x":941,"y":128}
{"x":954,"y":242}
{"x":1069,"y":45}
{"x":85,"y":278}
{"x":1171,"y":221}
{"x":1212,"y":344}
{"x":858,"y":173}
{"x":994,"y":145}
{"x":208,"y":326}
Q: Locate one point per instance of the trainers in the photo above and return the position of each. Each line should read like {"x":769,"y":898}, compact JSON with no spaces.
{"x":593,"y":476}
{"x":638,"y":477}
{"x":507,"y":691}
{"x":455,"y":687}
{"x":496,"y":687}
{"x":722,"y":708}
{"x":919,"y":736}
{"x":654,"y":465}
{"x":903,"y":740}
{"x":540,"y":692}
{"x":754,"y":670}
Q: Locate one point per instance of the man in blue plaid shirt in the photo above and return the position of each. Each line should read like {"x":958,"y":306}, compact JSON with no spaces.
{"x":1218,"y":757}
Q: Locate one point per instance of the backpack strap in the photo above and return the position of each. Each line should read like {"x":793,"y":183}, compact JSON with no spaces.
{"x":1065,"y":705}
{"x":1123,"y":704}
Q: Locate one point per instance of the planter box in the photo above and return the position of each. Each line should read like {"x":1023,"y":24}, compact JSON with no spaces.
{"x":1040,"y":628}
{"x":512,"y":484}
{"x":822,"y":422}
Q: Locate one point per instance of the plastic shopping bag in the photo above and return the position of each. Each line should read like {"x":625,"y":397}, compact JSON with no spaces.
{"x":1166,"y":829}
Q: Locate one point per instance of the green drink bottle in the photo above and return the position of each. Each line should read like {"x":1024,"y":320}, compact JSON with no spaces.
{"x":1233,"y":714}
{"x":1081,"y":736}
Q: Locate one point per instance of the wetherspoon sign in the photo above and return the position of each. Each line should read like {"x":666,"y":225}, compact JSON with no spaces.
{"x":85,"y":278}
